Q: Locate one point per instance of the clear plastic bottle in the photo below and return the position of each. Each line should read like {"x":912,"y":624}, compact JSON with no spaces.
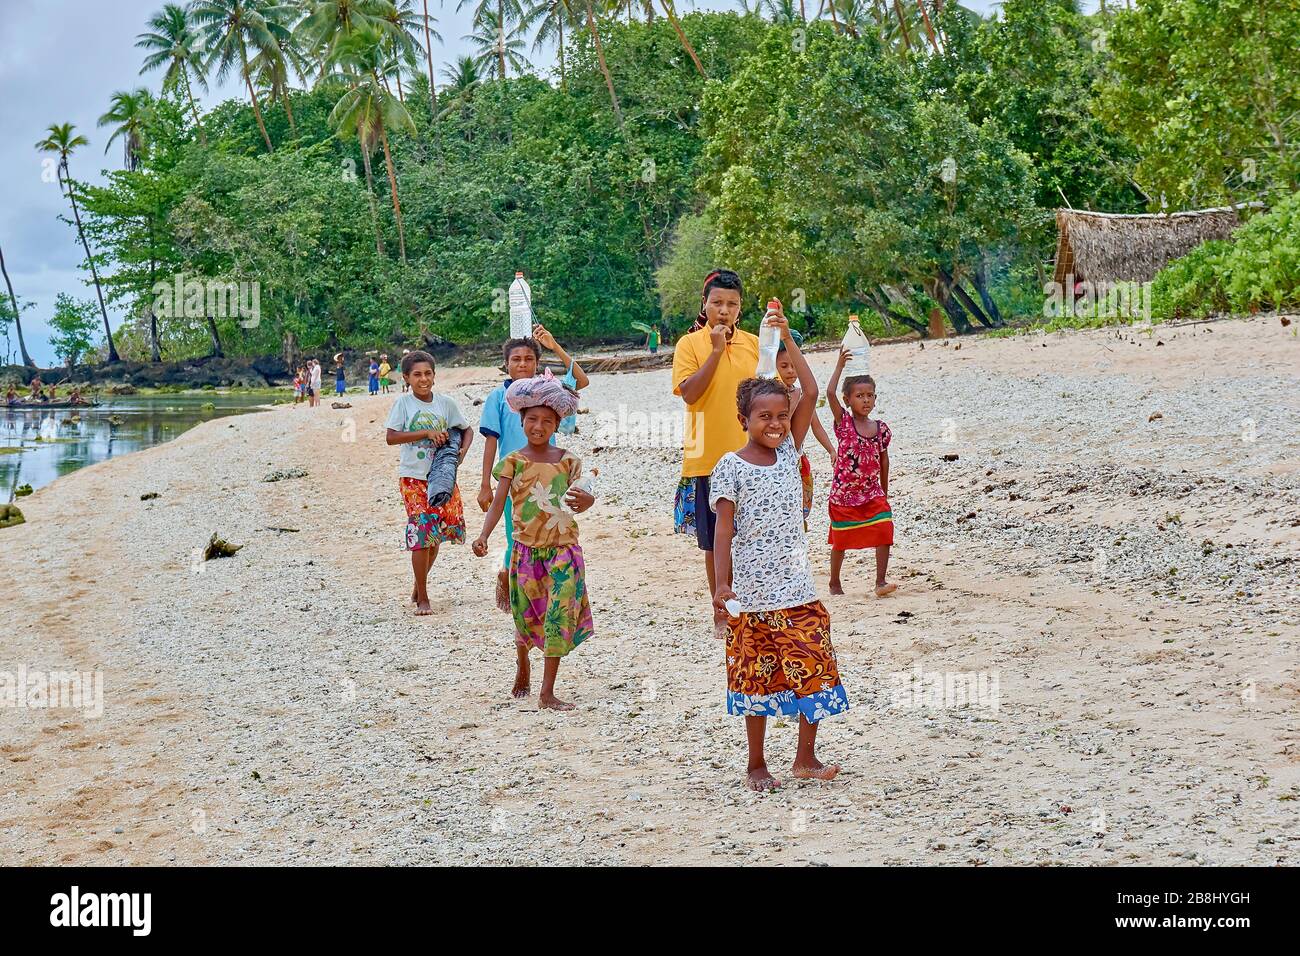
{"x":521,"y":308}
{"x":586,"y":483}
{"x":769,"y":343}
{"x":855,"y":340}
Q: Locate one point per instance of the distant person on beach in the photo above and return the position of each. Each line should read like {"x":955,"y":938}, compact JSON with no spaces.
{"x":11,"y":395}
{"x":503,"y":431}
{"x":340,"y":384}
{"x":709,"y":363}
{"x":652,"y":340}
{"x":384,"y":370}
{"x":420,"y":421}
{"x":780,"y":661}
{"x":37,"y":389}
{"x":373,"y":384}
{"x":859,"y":499}
{"x":313,"y":383}
{"x":790,"y":378}
{"x":547,"y":574}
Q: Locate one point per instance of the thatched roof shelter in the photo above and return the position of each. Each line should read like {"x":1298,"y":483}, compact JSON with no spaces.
{"x":1115,"y":247}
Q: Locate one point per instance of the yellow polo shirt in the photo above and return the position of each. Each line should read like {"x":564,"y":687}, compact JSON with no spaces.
{"x":712,"y":428}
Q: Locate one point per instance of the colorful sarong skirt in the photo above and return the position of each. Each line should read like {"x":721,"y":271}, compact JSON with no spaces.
{"x":782,"y":662}
{"x":427,"y":526}
{"x":684,"y":507}
{"x":861,"y":526}
{"x":548,"y":598}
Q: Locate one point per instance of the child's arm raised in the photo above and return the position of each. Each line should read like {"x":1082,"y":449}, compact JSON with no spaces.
{"x":493,"y":515}
{"x":723,"y":531}
{"x":803,"y":412}
{"x":833,"y":386}
{"x":547,"y":340}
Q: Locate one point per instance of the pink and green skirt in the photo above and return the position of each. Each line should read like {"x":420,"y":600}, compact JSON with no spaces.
{"x":861,"y":526}
{"x":548,"y":598}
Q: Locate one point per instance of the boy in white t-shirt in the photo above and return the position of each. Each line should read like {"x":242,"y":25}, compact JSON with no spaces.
{"x":419,"y":422}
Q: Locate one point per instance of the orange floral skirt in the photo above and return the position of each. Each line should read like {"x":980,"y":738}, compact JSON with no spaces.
{"x":427,"y":526}
{"x":782,"y":662}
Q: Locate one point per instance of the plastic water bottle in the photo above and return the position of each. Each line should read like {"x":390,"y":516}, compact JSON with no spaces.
{"x":586,"y":483}
{"x":769,"y":343}
{"x":720,"y":627}
{"x":855,"y":340}
{"x":521,"y":308}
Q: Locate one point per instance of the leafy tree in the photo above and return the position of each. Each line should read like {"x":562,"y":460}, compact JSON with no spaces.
{"x":72,"y":328}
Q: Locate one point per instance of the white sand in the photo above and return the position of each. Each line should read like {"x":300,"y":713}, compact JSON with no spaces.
{"x":283,"y":706}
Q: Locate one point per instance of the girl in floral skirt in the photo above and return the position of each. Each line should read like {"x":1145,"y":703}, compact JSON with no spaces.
{"x":547,"y":576}
{"x":779,"y":654}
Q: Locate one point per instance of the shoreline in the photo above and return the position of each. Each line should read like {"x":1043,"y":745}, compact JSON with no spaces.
{"x":282,"y":706}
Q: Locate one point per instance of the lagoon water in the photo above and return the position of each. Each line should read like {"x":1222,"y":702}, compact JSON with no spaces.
{"x":72,"y":438}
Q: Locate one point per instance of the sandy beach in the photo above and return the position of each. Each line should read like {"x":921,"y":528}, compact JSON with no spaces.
{"x":1099,"y":532}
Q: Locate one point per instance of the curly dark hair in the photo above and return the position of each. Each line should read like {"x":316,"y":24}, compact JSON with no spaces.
{"x":412,"y":359}
{"x":852,"y":382}
{"x":524,"y":343}
{"x":752,"y":388}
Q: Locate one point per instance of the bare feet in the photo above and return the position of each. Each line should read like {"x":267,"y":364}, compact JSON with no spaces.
{"x":816,"y":770}
{"x":882,"y":590}
{"x":503,"y":592}
{"x":551,"y":702}
{"x":523,"y":674}
{"x":759,"y":779}
{"x":422,"y":608}
{"x":837,"y":588}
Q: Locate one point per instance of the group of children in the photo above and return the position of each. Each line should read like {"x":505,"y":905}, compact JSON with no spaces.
{"x":542,"y":582}
{"x":746,"y":493}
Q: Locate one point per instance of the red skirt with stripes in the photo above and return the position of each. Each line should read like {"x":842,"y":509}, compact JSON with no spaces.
{"x":861,"y":526}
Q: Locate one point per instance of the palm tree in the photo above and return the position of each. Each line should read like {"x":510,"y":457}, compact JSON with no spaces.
{"x":328,"y":23}
{"x":498,"y":45}
{"x":132,"y":112}
{"x":18,"y":319}
{"x":175,"y":42}
{"x":61,"y":140}
{"x":368,"y":108}
{"x":229,"y":28}
{"x":550,"y":17}
{"x":428,"y":55}
{"x":490,"y":20}
{"x":463,"y":81}
{"x":403,"y":25}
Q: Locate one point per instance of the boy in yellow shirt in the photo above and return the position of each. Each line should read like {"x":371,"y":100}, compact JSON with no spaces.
{"x":709,"y":363}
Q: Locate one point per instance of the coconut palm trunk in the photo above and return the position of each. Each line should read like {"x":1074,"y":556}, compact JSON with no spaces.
{"x":370,"y":196}
{"x":18,"y":319}
{"x":62,"y":170}
{"x":392,"y":185}
{"x":252,"y":95}
{"x":902,"y":26}
{"x":681,"y":36}
{"x":194,"y":108}
{"x":600,"y":58}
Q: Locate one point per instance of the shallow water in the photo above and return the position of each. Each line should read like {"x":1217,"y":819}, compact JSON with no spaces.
{"x":39,"y":445}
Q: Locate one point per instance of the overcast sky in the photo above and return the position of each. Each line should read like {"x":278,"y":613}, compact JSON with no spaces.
{"x":60,"y":60}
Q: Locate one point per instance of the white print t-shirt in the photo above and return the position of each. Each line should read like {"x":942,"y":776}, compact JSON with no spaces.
{"x":770,"y":569}
{"x":409,"y":414}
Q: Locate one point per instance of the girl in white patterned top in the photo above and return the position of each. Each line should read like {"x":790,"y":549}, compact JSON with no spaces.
{"x":779,"y":654}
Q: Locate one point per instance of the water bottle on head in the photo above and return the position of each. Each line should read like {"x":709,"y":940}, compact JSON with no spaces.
{"x":521,"y":308}
{"x":769,"y":342}
{"x":855,"y":340}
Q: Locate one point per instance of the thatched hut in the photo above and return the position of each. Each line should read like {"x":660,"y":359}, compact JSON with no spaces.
{"x":1114,"y":247}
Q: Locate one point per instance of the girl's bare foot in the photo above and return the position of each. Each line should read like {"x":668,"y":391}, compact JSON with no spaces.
{"x":503,"y":592}
{"x":837,"y":588}
{"x":551,"y":702}
{"x":815,"y":770}
{"x":759,"y":779}
{"x":883,"y":590}
{"x":422,"y":608}
{"x":523,"y":675}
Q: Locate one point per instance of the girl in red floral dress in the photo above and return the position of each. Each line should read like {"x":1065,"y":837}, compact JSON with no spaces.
{"x":859,"y":503}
